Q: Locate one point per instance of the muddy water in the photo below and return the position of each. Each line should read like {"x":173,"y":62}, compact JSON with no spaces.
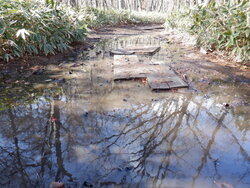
{"x":75,"y":125}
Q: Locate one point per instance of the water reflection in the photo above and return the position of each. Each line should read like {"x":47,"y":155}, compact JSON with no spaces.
{"x":177,"y":142}
{"x":90,"y":135}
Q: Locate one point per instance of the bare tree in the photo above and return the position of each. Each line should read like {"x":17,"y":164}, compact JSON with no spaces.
{"x":142,"y":5}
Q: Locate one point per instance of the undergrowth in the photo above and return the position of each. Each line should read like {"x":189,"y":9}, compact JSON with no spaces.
{"x":33,"y":28}
{"x":44,"y":27}
{"x":96,"y":18}
{"x":223,"y":27}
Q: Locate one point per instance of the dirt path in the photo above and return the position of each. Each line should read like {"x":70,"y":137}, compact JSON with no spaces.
{"x":125,"y":31}
{"x":11,"y":71}
{"x":188,"y":61}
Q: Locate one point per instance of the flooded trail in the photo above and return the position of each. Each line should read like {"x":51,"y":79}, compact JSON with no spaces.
{"x":74,"y":124}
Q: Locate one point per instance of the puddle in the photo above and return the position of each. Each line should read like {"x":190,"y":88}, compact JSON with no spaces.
{"x":87,"y":130}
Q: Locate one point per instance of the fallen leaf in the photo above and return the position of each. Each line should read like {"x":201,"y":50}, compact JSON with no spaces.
{"x":223,"y":185}
{"x":202,"y":50}
{"x":56,"y":185}
{"x":53,"y":119}
{"x":144,"y":81}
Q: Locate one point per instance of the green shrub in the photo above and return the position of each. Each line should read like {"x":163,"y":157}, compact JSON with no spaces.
{"x":218,"y":27}
{"x":43,"y":27}
{"x":33,"y":28}
{"x":97,"y":17}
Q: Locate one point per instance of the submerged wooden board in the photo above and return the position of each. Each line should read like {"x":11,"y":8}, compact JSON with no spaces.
{"x":158,"y":74}
{"x":128,"y":67}
{"x":136,"y":50}
{"x":125,"y":60}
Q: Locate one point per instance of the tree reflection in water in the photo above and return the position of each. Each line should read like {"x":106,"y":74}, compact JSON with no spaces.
{"x":182,"y":142}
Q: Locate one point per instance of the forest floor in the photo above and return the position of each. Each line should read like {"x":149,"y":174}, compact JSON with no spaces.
{"x":106,"y":131}
{"x":13,"y":70}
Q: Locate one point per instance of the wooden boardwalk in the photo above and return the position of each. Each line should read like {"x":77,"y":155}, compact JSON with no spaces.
{"x":159,"y":75}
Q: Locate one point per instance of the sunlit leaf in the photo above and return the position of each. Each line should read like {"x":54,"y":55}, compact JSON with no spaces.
{"x":22,"y":33}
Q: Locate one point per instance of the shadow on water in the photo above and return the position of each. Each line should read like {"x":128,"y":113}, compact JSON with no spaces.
{"x":95,"y":132}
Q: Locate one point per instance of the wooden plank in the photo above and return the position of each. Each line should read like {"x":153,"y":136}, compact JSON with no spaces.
{"x":130,"y":72}
{"x":152,"y":27}
{"x":145,"y":50}
{"x":125,"y":60}
{"x":166,"y":80}
{"x":177,"y":83}
{"x":120,"y":52}
{"x":136,"y":50}
{"x":157,"y":82}
{"x":158,"y":74}
{"x":129,"y":67}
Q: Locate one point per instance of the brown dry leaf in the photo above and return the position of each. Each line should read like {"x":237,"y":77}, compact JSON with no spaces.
{"x":174,"y":89}
{"x":56,"y":185}
{"x":144,"y":81}
{"x":223,"y":185}
{"x":36,"y":67}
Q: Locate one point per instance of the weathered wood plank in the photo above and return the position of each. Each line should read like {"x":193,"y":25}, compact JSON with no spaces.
{"x":152,"y":27}
{"x":129,"y":67}
{"x":121,"y":52}
{"x":177,"y":83}
{"x":155,"y":82}
{"x":125,"y":60}
{"x":145,"y":50}
{"x":158,"y":74}
{"x":130,"y":72}
{"x":136,"y":50}
{"x":165,"y":82}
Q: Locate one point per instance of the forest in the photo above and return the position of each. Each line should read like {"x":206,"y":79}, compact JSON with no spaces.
{"x":49,"y":27}
{"x":124,"y":93}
